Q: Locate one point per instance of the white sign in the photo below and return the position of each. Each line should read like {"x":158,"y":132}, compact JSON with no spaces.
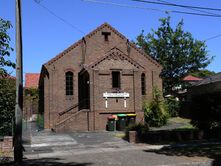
{"x":116,"y":95}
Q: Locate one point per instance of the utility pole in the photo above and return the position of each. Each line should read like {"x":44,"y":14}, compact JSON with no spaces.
{"x":18,"y":150}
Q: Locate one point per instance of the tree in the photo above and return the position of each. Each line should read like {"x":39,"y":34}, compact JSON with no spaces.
{"x":202,"y":73}
{"x":7,"y":83}
{"x":5,"y":48}
{"x":176,"y":50}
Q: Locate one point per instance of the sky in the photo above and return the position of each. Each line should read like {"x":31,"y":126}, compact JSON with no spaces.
{"x":45,"y":35}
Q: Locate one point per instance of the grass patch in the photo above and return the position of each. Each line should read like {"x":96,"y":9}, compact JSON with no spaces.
{"x":179,"y":120}
{"x":187,"y":126}
{"x":120,"y":135}
{"x":186,"y":123}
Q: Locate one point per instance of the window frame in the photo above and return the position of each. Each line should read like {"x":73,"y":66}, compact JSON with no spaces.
{"x":143,"y":84}
{"x":116,"y":76}
{"x":69,"y":83}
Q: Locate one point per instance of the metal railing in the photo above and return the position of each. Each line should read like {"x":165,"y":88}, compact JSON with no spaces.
{"x":67,"y":113}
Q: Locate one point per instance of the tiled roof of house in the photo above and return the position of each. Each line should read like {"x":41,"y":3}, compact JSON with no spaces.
{"x":31,"y":80}
{"x":191,"y":78}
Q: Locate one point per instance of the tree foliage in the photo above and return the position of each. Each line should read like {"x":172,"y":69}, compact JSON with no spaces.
{"x":7,"y":105}
{"x":202,"y":73}
{"x":7,"y":83}
{"x":176,"y":50}
{"x":5,"y":48}
{"x":173,"y":106}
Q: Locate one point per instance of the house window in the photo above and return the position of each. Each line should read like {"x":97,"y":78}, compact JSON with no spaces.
{"x":116,"y":79}
{"x":143,"y":84}
{"x":69,"y":83}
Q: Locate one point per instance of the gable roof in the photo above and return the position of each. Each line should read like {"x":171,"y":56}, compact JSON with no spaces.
{"x":31,"y":80}
{"x":94,"y":32}
{"x":115,"y":53}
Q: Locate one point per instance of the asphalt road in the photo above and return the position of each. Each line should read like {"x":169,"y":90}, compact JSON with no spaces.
{"x":129,"y":157}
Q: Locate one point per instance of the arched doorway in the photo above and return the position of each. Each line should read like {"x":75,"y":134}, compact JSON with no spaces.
{"x":84,"y":89}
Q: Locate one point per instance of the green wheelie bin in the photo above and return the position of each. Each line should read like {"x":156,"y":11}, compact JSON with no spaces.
{"x":131,"y":119}
{"x":121,"y":123}
{"x":111,"y":124}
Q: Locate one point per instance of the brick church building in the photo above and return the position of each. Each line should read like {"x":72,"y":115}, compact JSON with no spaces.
{"x":100,"y":75}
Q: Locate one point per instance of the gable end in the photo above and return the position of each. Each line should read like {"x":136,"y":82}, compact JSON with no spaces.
{"x":93,"y":33}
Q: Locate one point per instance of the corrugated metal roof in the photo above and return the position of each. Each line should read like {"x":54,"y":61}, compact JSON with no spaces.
{"x":210,"y":79}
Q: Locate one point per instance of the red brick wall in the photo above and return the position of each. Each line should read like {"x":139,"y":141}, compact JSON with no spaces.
{"x":56,"y":101}
{"x":79,"y":122}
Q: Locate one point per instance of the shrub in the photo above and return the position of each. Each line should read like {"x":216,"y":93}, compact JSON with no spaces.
{"x":155,"y":112}
{"x":7,"y":105}
{"x":140,"y":128}
{"x":173,"y":106}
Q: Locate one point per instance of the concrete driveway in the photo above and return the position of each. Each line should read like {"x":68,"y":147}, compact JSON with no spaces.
{"x":97,"y":149}
{"x":40,"y":143}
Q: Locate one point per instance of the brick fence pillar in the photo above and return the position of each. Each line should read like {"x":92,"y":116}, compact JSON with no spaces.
{"x":132,"y":136}
{"x":7,"y":145}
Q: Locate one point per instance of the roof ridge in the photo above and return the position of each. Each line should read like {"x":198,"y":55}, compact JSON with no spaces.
{"x":72,"y":46}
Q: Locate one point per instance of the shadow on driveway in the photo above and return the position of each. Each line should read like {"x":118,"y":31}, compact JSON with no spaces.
{"x":46,"y":162}
{"x":210,"y":150}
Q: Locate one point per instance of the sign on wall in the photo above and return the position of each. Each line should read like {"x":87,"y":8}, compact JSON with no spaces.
{"x":116,"y":95}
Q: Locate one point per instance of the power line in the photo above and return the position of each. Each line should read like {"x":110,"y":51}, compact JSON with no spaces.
{"x":139,"y":7}
{"x":171,"y":4}
{"x":213,"y":37}
{"x":122,"y":5}
{"x":58,"y":17}
{"x":153,"y":9}
{"x":198,"y":10}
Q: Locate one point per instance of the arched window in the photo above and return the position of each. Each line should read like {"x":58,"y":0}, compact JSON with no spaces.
{"x":69,"y":83}
{"x":143,"y":84}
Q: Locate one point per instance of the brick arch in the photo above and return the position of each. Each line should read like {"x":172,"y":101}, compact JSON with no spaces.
{"x":69,"y":69}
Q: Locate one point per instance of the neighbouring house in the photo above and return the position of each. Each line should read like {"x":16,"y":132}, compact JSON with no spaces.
{"x":100,"y":75}
{"x":204,"y":98}
{"x":209,"y":85}
{"x":31,"y":80}
{"x":30,"y":108}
